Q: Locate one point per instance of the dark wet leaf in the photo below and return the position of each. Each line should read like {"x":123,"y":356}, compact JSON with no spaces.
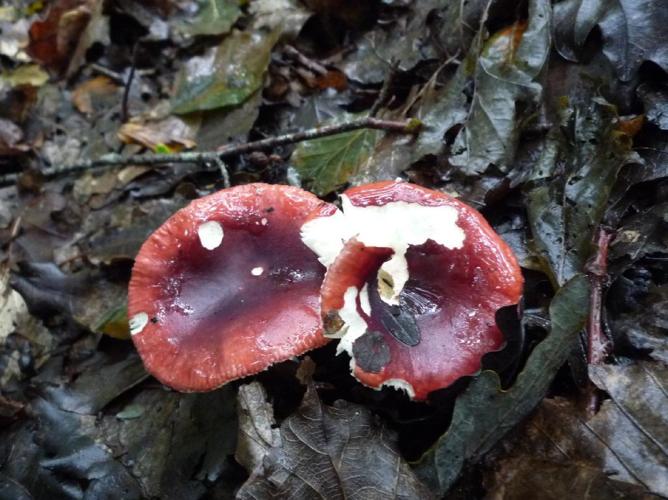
{"x":407,"y":40}
{"x":633,"y":31}
{"x":440,"y":109}
{"x":86,"y":296}
{"x":58,"y":458}
{"x":329,"y":162}
{"x":646,"y":327}
{"x":566,"y":208}
{"x":87,"y":396}
{"x":521,"y":477}
{"x":483,"y":414}
{"x":323,"y":453}
{"x":627,"y":437}
{"x":506,"y":74}
{"x":180,"y":442}
{"x":655,"y":100}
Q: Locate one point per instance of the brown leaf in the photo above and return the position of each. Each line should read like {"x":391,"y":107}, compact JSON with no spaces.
{"x":333,"y":452}
{"x":61,"y":39}
{"x":521,"y":477}
{"x":172,"y":132}
{"x":54,"y":39}
{"x":87,"y":93}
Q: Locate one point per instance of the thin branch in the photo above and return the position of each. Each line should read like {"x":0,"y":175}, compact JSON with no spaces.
{"x":385,"y":89}
{"x":126,"y":92}
{"x":411,"y":126}
{"x":597,"y":270}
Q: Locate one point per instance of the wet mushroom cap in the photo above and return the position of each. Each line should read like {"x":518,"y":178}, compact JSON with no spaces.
{"x":437,"y":327}
{"x":225,"y":287}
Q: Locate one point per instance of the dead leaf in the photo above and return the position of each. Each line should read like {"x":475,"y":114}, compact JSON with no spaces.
{"x":60,"y":40}
{"x":173,"y":132}
{"x":521,"y":477}
{"x":333,"y":452}
{"x":257,"y":428}
{"x":87,"y":93}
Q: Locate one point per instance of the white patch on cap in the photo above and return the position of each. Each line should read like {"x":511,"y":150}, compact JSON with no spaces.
{"x":264,"y":221}
{"x":400,"y":385}
{"x":257,"y":271}
{"x":138,"y":322}
{"x":210,"y":234}
{"x":355,"y":326}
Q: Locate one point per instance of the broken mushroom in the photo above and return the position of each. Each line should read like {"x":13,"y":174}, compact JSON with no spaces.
{"x":414,"y":281}
{"x":226,"y":287}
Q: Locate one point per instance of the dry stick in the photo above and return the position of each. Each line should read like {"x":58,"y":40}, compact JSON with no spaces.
{"x":597,"y":270}
{"x":385,"y":89}
{"x":126,"y":92}
{"x":411,"y":126}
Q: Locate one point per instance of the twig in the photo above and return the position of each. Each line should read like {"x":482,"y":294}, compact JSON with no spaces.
{"x":597,"y":270}
{"x":128,"y":85}
{"x":385,"y":89}
{"x":412,"y":126}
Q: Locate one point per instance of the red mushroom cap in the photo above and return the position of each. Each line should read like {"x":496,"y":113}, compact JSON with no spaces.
{"x":437,"y":326}
{"x":226,"y":287}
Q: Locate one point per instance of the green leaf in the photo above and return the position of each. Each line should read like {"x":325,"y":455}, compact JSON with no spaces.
{"x":484,"y":412}
{"x":329,"y":162}
{"x":215,"y":17}
{"x":506,"y":74}
{"x":226,"y":77}
{"x":578,"y":172}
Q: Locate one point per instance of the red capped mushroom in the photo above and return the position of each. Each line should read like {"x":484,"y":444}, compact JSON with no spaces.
{"x":226,"y":287}
{"x":413,"y":292}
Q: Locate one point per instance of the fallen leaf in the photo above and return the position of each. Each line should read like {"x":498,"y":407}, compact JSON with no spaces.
{"x":632,"y":31}
{"x":333,"y":452}
{"x":566,"y":208}
{"x":87,"y":93}
{"x":506,"y":79}
{"x":226,"y":76}
{"x":521,"y":477}
{"x":655,"y":99}
{"x":329,"y":162}
{"x":54,"y":39}
{"x":258,"y":432}
{"x":173,"y":132}
{"x":484,"y":413}
{"x":627,"y":437}
{"x":29,"y":74}
{"x":214,"y":17}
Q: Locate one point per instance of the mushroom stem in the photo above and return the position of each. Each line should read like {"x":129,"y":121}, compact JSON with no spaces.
{"x":411,"y":126}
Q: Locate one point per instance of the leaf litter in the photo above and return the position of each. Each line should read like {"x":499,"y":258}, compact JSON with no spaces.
{"x":550,"y":117}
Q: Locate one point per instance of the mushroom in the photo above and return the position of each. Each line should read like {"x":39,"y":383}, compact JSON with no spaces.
{"x":225,"y":287}
{"x":414,"y":281}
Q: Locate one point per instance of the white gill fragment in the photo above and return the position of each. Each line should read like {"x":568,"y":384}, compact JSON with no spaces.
{"x":138,"y":322}
{"x":326,"y":236}
{"x":355,"y":326}
{"x":257,"y":271}
{"x":364,"y":300}
{"x":396,"y":225}
{"x":210,"y":234}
